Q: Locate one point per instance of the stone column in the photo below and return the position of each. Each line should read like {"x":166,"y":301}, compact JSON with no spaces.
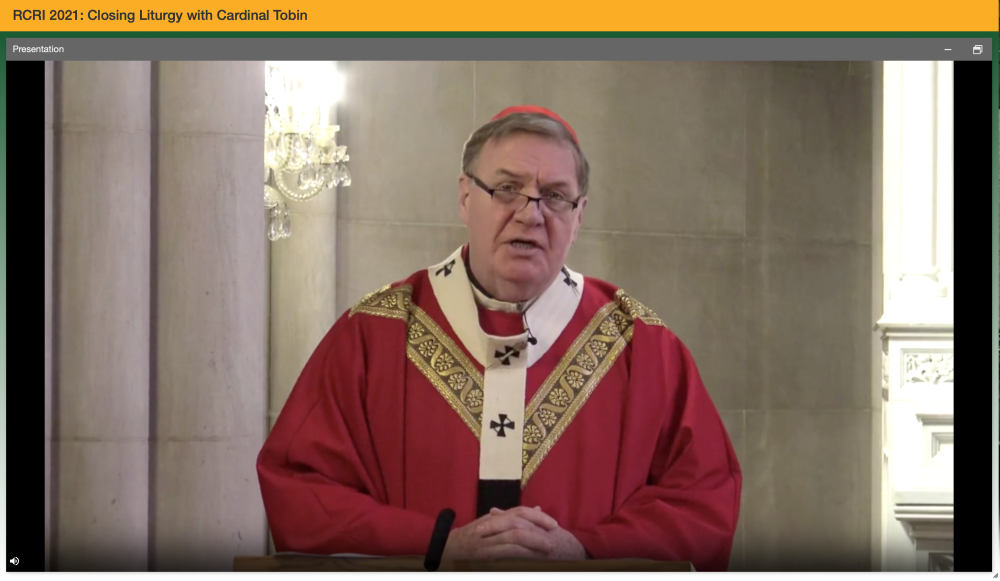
{"x":917,"y":190}
{"x":101,"y":396}
{"x":49,"y":138}
{"x":211,"y":336}
{"x":917,"y":324}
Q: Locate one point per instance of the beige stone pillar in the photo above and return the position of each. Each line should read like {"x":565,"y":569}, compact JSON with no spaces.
{"x":102,"y":389}
{"x":49,"y":138}
{"x":211,"y":336}
{"x":917,"y":327}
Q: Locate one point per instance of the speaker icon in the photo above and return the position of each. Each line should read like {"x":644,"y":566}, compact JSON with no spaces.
{"x":14,"y":561}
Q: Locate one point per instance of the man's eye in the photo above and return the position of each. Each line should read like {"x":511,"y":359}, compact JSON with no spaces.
{"x":507,"y":188}
{"x":555,"y":196}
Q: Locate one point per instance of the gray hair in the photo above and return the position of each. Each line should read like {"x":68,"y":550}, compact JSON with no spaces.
{"x":535,"y":124}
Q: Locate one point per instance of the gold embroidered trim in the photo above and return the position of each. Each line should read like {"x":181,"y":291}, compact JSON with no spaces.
{"x":388,"y":301}
{"x":559,"y":399}
{"x":447,"y":368}
{"x":571,"y":383}
{"x":637,"y":310}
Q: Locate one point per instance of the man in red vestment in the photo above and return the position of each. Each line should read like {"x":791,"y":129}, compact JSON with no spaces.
{"x":555,"y":414}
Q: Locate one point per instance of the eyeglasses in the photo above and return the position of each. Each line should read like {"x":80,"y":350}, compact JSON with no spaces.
{"x":511,"y":198}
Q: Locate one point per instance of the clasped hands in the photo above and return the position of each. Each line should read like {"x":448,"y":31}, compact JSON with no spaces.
{"x":518,"y":533}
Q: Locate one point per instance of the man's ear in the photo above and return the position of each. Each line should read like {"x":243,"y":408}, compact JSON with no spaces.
{"x":463,"y":199}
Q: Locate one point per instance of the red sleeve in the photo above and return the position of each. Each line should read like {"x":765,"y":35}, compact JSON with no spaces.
{"x":318,"y":470}
{"x":688,"y":507}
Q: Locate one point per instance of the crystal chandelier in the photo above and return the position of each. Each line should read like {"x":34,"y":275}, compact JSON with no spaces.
{"x":301,"y":156}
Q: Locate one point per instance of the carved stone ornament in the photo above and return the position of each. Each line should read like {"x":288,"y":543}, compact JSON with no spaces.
{"x":933,"y":368}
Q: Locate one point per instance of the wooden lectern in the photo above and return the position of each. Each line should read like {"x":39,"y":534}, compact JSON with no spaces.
{"x":309,"y":563}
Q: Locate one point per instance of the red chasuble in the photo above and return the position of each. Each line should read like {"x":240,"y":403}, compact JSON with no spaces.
{"x":620,"y":442}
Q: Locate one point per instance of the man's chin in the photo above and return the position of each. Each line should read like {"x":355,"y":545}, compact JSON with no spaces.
{"x":523,"y":275}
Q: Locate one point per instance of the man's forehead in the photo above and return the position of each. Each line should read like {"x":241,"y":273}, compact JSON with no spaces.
{"x":541,"y":175}
{"x":554,"y":178}
{"x":530,"y":151}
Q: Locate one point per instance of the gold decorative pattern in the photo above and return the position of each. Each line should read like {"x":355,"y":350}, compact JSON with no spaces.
{"x":571,"y":383}
{"x":559,"y":399}
{"x":637,"y":310}
{"x":389,"y":301}
{"x":444,"y":364}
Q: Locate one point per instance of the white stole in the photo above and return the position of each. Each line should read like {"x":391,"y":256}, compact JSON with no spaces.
{"x":505,"y":359}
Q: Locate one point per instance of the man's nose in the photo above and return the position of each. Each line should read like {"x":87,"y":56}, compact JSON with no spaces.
{"x":531,"y":212}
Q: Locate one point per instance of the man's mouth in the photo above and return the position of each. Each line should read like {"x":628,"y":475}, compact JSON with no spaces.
{"x":522,"y":244}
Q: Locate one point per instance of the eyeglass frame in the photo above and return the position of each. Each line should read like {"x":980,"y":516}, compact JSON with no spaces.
{"x":538,"y":201}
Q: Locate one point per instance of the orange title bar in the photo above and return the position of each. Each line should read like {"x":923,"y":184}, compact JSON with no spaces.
{"x":512,"y":15}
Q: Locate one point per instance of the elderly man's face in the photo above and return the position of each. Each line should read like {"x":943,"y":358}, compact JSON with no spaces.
{"x":516,"y":251}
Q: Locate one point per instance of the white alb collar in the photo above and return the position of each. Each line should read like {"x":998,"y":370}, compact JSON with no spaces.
{"x":547,"y":316}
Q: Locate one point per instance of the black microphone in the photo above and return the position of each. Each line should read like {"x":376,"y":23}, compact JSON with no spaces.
{"x":439,"y":538}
